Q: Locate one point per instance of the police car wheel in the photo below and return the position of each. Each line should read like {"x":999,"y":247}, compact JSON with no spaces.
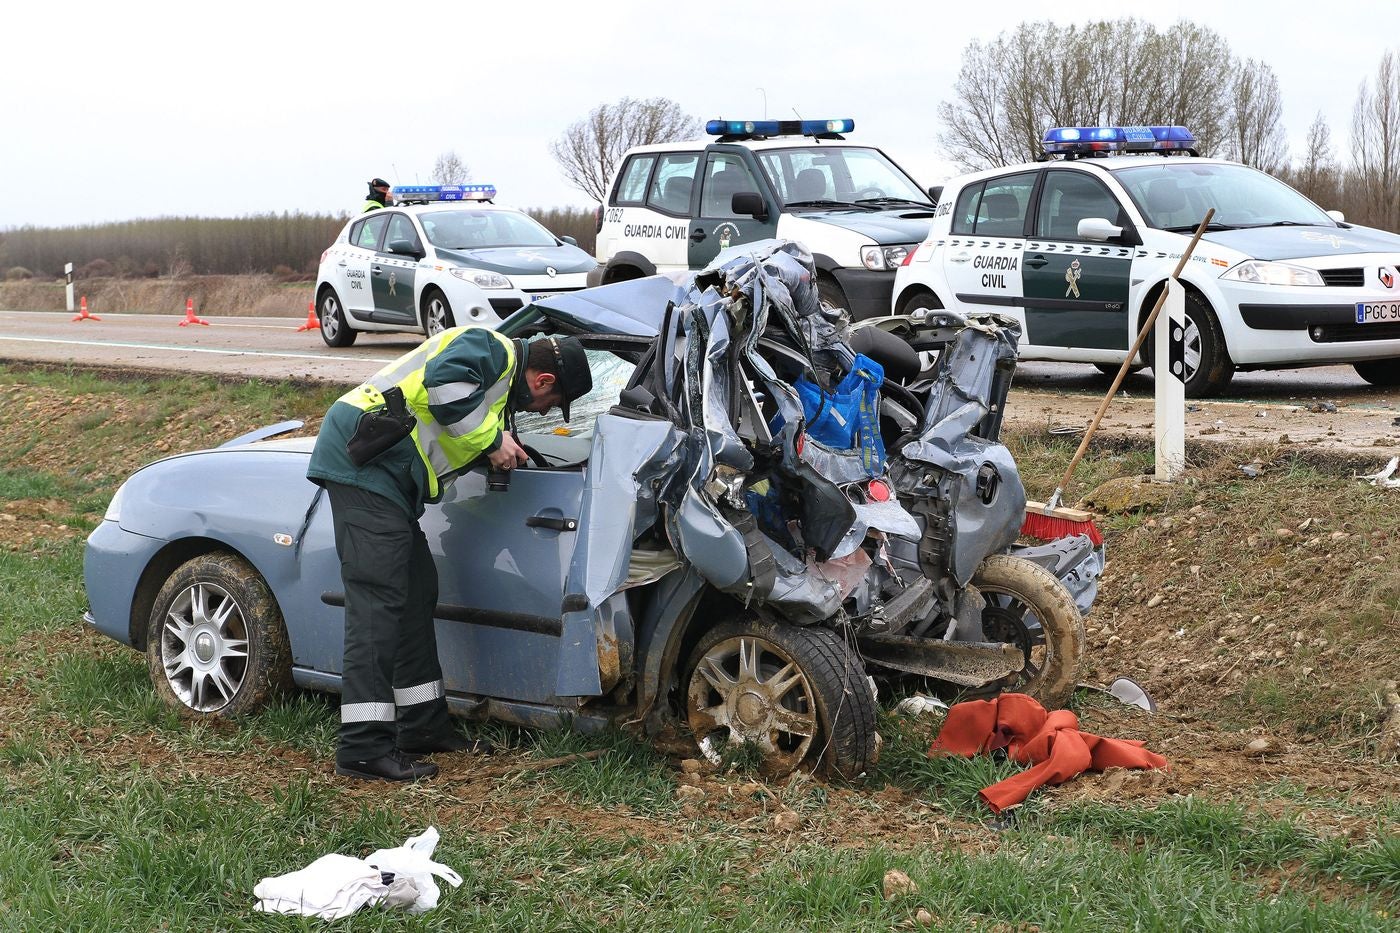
{"x":335,"y":330}
{"x":1379,"y":372}
{"x":924,"y":301}
{"x":437,"y":313}
{"x":1208,"y":367}
{"x":831,"y":293}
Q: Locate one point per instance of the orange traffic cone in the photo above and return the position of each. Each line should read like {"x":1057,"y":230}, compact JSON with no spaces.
{"x":312,"y":321}
{"x":189,"y":315}
{"x":82,"y":314}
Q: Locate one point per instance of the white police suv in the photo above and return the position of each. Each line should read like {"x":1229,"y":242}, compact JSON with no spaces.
{"x":1079,"y":247}
{"x":673,"y":207}
{"x":441,"y":256}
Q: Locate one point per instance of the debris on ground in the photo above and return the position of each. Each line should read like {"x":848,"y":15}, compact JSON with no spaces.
{"x":1130,"y":692}
{"x":898,"y":884}
{"x":920,"y":705}
{"x":1385,"y":477}
{"x":1030,"y":734}
{"x":1323,"y":408}
{"x":1262,"y":746}
{"x":1388,"y":747}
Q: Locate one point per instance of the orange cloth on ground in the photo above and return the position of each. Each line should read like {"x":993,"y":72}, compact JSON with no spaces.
{"x":1022,"y":726}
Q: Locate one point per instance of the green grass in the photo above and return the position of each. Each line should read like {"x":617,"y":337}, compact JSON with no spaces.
{"x":120,"y":815}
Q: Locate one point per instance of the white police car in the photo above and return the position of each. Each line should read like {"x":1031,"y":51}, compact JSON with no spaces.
{"x":442,"y":256}
{"x":1079,"y":248}
{"x":673,"y":207}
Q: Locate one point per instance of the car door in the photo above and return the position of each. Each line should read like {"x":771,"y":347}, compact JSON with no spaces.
{"x":392,"y":272}
{"x":667,"y":212}
{"x":504,"y":557}
{"x":718,"y":227}
{"x":365,"y":240}
{"x":1076,"y":290}
{"x":982,"y":261}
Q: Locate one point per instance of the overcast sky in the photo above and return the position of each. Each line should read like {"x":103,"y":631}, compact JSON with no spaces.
{"x":115,"y":111}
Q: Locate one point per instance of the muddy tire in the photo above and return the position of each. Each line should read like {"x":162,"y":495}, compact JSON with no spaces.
{"x":1020,"y":594}
{"x":216,"y":645}
{"x":796,"y":694}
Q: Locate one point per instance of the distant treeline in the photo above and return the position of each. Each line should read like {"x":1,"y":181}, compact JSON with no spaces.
{"x":286,"y":245}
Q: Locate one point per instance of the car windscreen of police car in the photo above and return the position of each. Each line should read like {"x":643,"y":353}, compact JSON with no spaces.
{"x":1079,"y":246}
{"x":675,"y":206}
{"x":440,"y":256}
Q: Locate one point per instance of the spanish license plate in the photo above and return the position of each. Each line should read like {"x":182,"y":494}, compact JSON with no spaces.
{"x":1377,"y":312}
{"x":540,"y":296}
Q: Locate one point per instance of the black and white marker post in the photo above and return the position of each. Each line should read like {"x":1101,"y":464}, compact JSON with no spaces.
{"x":1169,"y":381}
{"x":68,"y":278}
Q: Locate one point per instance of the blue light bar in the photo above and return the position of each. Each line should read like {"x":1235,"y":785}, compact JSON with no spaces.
{"x":443,"y":192}
{"x":778,"y":127}
{"x":1079,"y":139}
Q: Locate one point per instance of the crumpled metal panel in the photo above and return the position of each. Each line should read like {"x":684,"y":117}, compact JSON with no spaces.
{"x":1074,"y":560}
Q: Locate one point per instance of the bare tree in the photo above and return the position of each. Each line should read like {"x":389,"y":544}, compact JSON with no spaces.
{"x":1123,"y":71}
{"x":1254,"y":134}
{"x":589,"y":151}
{"x":1375,"y":146}
{"x":1317,"y":176}
{"x":449,"y":169}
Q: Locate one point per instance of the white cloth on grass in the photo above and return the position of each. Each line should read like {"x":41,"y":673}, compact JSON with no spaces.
{"x":336,"y":886}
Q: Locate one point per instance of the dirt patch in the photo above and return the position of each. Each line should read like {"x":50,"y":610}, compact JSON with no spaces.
{"x":24,"y":523}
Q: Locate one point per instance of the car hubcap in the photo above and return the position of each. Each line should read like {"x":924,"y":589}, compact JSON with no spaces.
{"x":204,"y":647}
{"x":330,"y":322}
{"x":1191,"y":358}
{"x":437,"y":317}
{"x":746,"y":690}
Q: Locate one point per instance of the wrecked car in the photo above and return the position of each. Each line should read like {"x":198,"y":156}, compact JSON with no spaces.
{"x":703,"y":552}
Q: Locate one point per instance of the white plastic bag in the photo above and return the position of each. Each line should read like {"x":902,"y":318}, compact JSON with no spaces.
{"x":414,"y":861}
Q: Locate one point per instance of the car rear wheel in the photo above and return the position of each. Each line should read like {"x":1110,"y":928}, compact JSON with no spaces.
{"x":437,"y":313}
{"x":789,"y":693}
{"x":1379,"y":372}
{"x":1028,"y":607}
{"x":216,"y":645}
{"x":924,"y":301}
{"x":1208,"y":368}
{"x":335,"y":330}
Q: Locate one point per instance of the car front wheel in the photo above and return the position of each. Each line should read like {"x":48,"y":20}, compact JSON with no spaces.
{"x":1384,"y":373}
{"x":1207,"y":365}
{"x":335,"y":330}
{"x":216,"y":645}
{"x":437,"y":313}
{"x":787,"y":693}
{"x":1026,"y":606}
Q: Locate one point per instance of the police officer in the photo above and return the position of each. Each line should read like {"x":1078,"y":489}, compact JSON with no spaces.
{"x":458,"y":390}
{"x":378,"y":195}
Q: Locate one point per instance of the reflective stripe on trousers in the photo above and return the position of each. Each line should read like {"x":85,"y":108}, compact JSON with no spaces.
{"x":367,"y":712}
{"x":422,"y":693}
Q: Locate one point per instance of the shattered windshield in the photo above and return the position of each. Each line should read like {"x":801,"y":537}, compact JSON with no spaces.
{"x":826,"y":176}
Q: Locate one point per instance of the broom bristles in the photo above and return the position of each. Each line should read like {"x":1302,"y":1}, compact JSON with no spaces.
{"x":1052,"y":528}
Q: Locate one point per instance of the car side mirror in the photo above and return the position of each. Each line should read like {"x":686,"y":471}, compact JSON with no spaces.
{"x":404,"y":248}
{"x":570,"y":240}
{"x":1098,"y":229}
{"x":749,"y":204}
{"x":935,"y":193}
{"x":1338,"y":216}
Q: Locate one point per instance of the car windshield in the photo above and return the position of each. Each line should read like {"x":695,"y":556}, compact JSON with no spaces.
{"x":1173,"y":194}
{"x":822,"y":176}
{"x":478,"y":229}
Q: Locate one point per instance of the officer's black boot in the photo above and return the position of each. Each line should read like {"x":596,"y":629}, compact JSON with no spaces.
{"x":394,"y":766}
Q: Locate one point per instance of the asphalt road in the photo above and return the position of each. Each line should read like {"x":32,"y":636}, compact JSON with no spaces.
{"x":1270,"y":407}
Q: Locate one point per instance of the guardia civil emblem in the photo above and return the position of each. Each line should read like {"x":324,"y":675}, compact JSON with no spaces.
{"x":1072,"y":275}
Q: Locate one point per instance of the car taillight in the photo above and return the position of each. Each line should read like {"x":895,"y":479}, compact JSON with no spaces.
{"x":324,"y":255}
{"x":799,"y":444}
{"x":878,"y":491}
{"x":598,"y":219}
{"x":909,"y":257}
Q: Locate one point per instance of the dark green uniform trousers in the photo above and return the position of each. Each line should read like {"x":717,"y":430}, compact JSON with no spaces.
{"x":391,"y":682}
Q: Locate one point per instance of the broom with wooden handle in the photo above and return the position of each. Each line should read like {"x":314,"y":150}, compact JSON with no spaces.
{"x":1048,"y":520}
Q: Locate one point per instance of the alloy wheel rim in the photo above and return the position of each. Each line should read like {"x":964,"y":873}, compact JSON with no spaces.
{"x":204,"y":647}
{"x":746,"y":690}
{"x":1004,"y":619}
{"x":330,"y":320}
{"x":437,"y":317}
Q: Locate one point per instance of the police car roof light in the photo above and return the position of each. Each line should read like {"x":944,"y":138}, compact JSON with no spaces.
{"x":778,"y":127}
{"x":1081,"y":140}
{"x":425,"y":193}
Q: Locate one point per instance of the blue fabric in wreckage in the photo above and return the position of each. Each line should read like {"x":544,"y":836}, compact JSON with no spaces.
{"x":848,"y":416}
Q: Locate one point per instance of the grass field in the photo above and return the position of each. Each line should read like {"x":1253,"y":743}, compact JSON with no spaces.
{"x":119,"y":815}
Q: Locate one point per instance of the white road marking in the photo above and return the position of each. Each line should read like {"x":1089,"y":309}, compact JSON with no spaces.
{"x":157,"y":346}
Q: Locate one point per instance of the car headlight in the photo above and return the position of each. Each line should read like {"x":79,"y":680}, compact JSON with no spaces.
{"x":1258,"y":272}
{"x":481,"y":278}
{"x":114,"y":508}
{"x":883,"y":258}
